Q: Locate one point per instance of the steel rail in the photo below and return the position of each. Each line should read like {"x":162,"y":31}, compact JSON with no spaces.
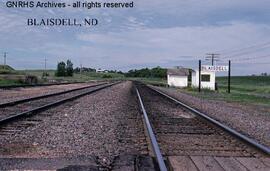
{"x":235,"y":133}
{"x":152,"y":137}
{"x":44,"y":107}
{"x":36,"y":85}
{"x":45,"y":96}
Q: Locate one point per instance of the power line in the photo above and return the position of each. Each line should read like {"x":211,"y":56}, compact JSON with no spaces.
{"x":46,"y":63}
{"x":212,"y":56}
{"x":248,"y":58}
{"x":254,"y":63}
{"x":247,"y":52}
{"x":230,"y":51}
{"x":251,"y":58}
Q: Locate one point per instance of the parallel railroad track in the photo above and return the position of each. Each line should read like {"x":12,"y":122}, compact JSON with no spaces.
{"x":180,"y":132}
{"x":36,"y":85}
{"x":24,"y":108}
{"x":24,"y":100}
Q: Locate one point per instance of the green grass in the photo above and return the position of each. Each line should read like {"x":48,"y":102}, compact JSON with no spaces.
{"x":9,"y":82}
{"x":85,"y":76}
{"x":6,"y":69}
{"x":253,"y":90}
{"x":248,"y":84}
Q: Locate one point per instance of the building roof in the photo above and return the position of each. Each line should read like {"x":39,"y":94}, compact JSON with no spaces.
{"x":178,"y":72}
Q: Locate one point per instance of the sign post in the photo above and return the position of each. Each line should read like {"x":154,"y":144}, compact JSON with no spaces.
{"x":200,"y":67}
{"x":229,"y":77}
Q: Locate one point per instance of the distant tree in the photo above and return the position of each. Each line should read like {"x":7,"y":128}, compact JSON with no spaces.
{"x":264,"y":74}
{"x":106,"y":76}
{"x":69,"y":68}
{"x":84,"y":69}
{"x":156,"y":72}
{"x":45,"y":74}
{"x":120,"y":72}
{"x":159,"y":72}
{"x":61,"y":69}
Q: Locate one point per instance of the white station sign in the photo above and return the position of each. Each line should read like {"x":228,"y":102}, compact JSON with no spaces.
{"x":214,"y":68}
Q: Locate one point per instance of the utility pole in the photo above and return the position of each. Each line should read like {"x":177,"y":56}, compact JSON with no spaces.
{"x":5,"y":58}
{"x":45,"y":67}
{"x":213,"y":57}
{"x":81,"y":70}
{"x":45,"y":64}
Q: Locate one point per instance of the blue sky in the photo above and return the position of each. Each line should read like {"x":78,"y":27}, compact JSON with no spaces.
{"x":155,"y":32}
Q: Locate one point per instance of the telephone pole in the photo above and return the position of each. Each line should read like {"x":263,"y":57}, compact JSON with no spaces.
{"x":5,"y":58}
{"x":213,"y":57}
{"x":45,"y":67}
{"x":81,"y":70}
{"x":45,"y":64}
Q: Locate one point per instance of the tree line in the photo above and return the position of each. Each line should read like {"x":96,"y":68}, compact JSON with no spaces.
{"x":156,"y":72}
{"x":66,"y":69}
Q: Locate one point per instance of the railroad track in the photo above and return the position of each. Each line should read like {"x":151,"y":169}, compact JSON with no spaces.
{"x":133,"y":147}
{"x":15,"y":110}
{"x":20,"y":101}
{"x":175,"y":130}
{"x":36,"y":85}
{"x":172,"y":129}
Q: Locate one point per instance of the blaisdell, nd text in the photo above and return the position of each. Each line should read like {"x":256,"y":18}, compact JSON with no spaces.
{"x":62,"y":22}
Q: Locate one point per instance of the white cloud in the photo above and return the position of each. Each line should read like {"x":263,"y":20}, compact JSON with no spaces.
{"x":154,"y":32}
{"x":191,"y":40}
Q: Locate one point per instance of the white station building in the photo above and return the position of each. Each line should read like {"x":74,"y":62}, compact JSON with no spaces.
{"x":179,"y":77}
{"x":208,"y":79}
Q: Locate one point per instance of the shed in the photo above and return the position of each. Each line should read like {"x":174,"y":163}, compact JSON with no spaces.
{"x":178,"y":77}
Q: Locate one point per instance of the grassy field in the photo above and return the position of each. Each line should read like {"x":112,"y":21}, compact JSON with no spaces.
{"x":5,"y":69}
{"x":8,"y":76}
{"x":9,"y":82}
{"x":244,"y":89}
{"x":85,"y":76}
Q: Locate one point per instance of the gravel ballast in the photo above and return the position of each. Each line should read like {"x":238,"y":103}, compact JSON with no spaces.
{"x":104,"y":124}
{"x":249,"y":120}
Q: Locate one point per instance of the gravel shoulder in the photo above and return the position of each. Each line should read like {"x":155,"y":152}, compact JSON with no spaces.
{"x":249,"y":120}
{"x":104,"y":124}
{"x":22,"y":93}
